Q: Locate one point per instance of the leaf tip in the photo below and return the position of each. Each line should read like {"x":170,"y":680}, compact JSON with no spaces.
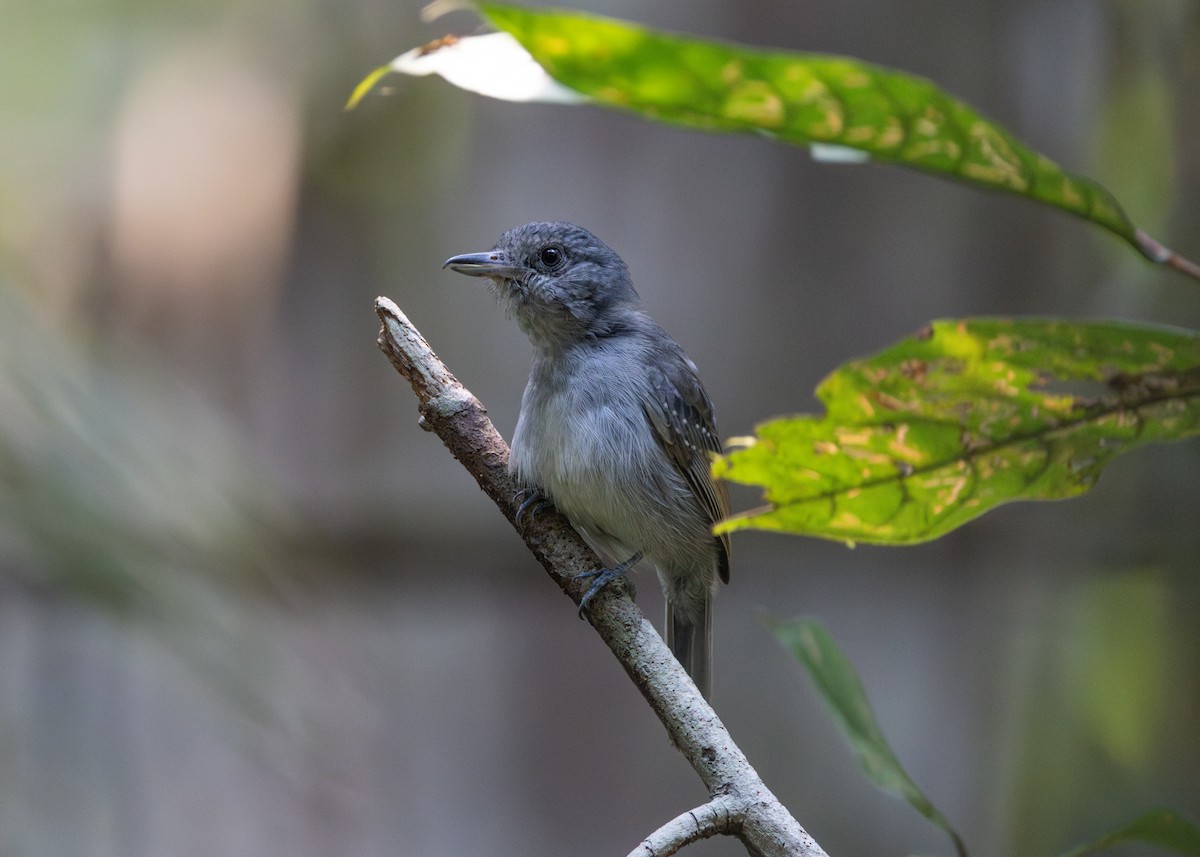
{"x":365,"y":86}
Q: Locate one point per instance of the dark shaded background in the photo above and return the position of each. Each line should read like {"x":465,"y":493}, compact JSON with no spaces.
{"x":248,"y":608}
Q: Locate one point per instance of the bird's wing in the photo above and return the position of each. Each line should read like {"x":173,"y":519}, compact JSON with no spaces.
{"x":682,"y":416}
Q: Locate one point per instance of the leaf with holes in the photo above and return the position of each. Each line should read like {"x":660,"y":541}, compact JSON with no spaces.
{"x":962,"y":417}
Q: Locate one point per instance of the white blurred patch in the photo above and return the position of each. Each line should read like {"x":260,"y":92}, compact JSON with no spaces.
{"x":829,"y":153}
{"x":494,"y":65}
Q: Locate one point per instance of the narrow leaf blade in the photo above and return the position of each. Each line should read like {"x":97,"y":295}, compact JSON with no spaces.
{"x":846,"y":699}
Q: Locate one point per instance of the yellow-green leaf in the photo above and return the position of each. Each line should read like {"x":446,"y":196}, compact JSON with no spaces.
{"x":943,"y":426}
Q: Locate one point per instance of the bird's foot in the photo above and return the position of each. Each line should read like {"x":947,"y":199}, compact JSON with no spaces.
{"x":533,"y":501}
{"x":601,"y":577}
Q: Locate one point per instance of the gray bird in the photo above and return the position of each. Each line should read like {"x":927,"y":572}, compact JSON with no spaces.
{"x":615,"y":428}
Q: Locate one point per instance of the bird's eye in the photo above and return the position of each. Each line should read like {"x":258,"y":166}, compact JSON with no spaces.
{"x":551,"y":256}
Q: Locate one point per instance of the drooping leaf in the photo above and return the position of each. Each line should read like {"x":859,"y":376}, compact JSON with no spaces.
{"x":943,"y":426}
{"x":805,"y":99}
{"x":1159,"y":827}
{"x":846,"y":699}
{"x":844,"y":109}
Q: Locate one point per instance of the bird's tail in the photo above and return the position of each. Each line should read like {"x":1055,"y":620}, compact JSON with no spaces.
{"x":689,"y":636}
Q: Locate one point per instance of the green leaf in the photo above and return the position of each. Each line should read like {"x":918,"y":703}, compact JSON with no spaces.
{"x":805,"y":98}
{"x":843,"y":693}
{"x":961,"y":417}
{"x":1159,"y":827}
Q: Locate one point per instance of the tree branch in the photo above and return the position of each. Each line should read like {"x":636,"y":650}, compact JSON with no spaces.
{"x":742,"y":805}
{"x":717,"y":816}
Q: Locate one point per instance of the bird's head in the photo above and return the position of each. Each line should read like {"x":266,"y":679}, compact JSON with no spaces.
{"x":561,"y":283}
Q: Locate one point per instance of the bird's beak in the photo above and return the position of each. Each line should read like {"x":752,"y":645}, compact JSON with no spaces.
{"x":490,"y":264}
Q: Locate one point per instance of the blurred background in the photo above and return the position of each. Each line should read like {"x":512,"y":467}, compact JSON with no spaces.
{"x":247,"y":607}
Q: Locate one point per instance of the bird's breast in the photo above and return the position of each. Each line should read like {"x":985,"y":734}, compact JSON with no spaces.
{"x":584,"y":440}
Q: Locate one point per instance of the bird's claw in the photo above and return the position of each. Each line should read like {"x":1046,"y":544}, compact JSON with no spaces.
{"x":601,"y":577}
{"x":533,"y":501}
